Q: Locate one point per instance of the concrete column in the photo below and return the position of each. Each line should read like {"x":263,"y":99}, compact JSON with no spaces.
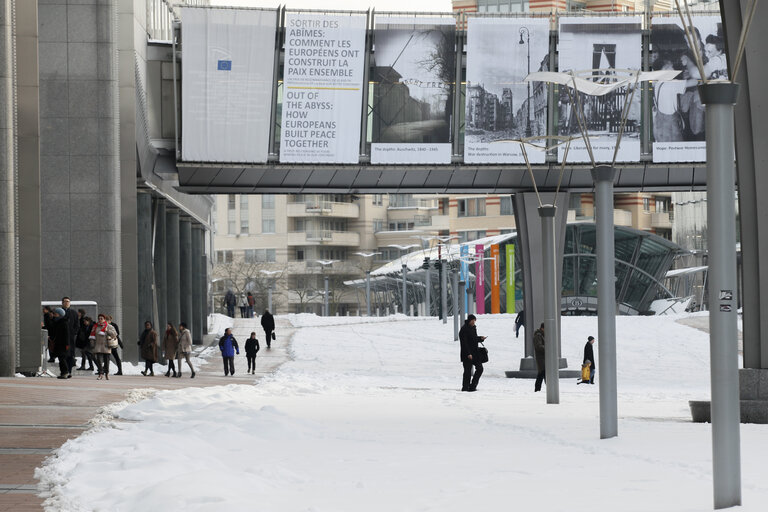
{"x":172,"y":268}
{"x":197,"y":288}
{"x":185,"y":272}
{"x":428,"y":290}
{"x":603,"y":177}
{"x":326,"y":312}
{"x":529,"y":246}
{"x":455,"y":294}
{"x":551,"y":289}
{"x":28,"y":221}
{"x":444,"y":289}
{"x":367,"y":293}
{"x":723,"y":330}
{"x":405,"y":290}
{"x":462,"y":301}
{"x":144,"y":258}
{"x":160,"y":265}
{"x":206,"y":304}
{"x":203,"y":284}
{"x":8,"y":260}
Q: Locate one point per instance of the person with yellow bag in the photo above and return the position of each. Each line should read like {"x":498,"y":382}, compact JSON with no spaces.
{"x":588,"y":367}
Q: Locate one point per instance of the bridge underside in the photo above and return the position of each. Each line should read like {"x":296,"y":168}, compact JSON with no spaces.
{"x":360,"y":179}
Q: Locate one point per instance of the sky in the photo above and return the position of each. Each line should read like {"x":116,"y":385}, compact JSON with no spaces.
{"x":349,"y":5}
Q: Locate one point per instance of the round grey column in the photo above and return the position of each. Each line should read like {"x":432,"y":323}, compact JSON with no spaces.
{"x":197,"y":288}
{"x":719,"y":99}
{"x":172,"y":268}
{"x":185,"y":272}
{"x":160,"y":264}
{"x":144,"y":250}
{"x":551,"y":303}
{"x":603,"y":176}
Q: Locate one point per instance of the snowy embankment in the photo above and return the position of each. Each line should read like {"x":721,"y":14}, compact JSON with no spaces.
{"x":368,"y":416}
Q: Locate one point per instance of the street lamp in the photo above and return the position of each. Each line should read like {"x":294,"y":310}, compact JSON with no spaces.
{"x":325,"y":263}
{"x":271,"y":286}
{"x":528,"y":42}
{"x":404,"y":248}
{"x":367,"y":280}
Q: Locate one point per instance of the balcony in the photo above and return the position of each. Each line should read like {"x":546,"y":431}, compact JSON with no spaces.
{"x":323,"y":209}
{"x":324,"y":237}
{"x":661,"y":220}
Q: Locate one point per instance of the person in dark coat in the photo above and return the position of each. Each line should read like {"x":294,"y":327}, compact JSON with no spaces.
{"x":469,"y":339}
{"x":268,"y":324}
{"x":148,"y":344}
{"x":251,"y":348}
{"x":251,"y":303}
{"x":74,"y":326}
{"x":589,"y":357}
{"x":538,"y":351}
{"x":229,"y":302}
{"x":48,"y":326}
{"x":519,"y":322}
{"x":60,"y":337}
{"x":81,"y":341}
{"x":228,"y":346}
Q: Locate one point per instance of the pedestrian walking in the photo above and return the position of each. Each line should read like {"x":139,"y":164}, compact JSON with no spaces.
{"x":469,"y":354}
{"x":228,"y":346}
{"x":81,"y":341}
{"x":251,"y":348}
{"x":268,"y":324}
{"x":47,"y":324}
{"x":185,"y":349}
{"x":113,"y":350}
{"x":589,"y":357}
{"x":243,"y":306}
{"x":538,"y":352}
{"x":101,"y":335}
{"x":229,"y":302}
{"x":74,"y":327}
{"x":519,"y":322}
{"x":251,"y":303}
{"x":171,"y":347}
{"x":60,"y":341}
{"x":148,"y":344}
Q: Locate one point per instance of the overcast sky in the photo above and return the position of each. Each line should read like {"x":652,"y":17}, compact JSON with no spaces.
{"x":352,"y":5}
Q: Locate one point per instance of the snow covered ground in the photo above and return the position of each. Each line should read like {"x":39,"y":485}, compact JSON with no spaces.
{"x":368,"y":417}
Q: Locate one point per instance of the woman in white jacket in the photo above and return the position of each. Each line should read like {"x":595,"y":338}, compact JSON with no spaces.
{"x":101,"y":334}
{"x":185,"y":349}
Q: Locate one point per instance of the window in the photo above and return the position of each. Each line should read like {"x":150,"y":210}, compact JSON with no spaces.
{"x":267,"y":225}
{"x":506,"y":205}
{"x":268,"y":213}
{"x":469,"y":236}
{"x":244,"y":214}
{"x":378,"y":225}
{"x":662,"y":204}
{"x":231,"y":220}
{"x":300,"y":254}
{"x":250,"y":256}
{"x":646,"y":204}
{"x":224,"y":257}
{"x":378,"y":199}
{"x":474,"y":207}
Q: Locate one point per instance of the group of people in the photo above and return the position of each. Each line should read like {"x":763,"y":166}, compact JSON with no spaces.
{"x":247,"y":303}
{"x":471,"y":355}
{"x":98,"y":341}
{"x":229,"y":347}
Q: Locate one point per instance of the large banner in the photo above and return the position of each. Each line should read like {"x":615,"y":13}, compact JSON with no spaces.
{"x":464,"y":273}
{"x":495,"y":281}
{"x":500,"y":107}
{"x":602,"y":44}
{"x":322,"y":96}
{"x":413,"y":72}
{"x":480,"y":279}
{"x":510,"y":250}
{"x":227,"y":75}
{"x":678,"y":114}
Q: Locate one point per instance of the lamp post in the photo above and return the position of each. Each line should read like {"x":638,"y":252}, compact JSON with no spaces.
{"x":367,"y":255}
{"x":271,"y":286}
{"x":405,"y":271}
{"x":524,"y":30}
{"x":324,"y":264}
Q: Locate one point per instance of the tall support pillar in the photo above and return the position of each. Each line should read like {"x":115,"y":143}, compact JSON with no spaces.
{"x":603,"y":176}
{"x":405,"y":289}
{"x":204,"y":273}
{"x":455,"y":294}
{"x":551,"y":290}
{"x":444,"y":289}
{"x":462,"y":301}
{"x":144,"y":257}
{"x":160,"y":264}
{"x":428,"y":290}
{"x":269,"y":295}
{"x":368,"y":293}
{"x":185,"y":272}
{"x":197,"y":284}
{"x":326,"y":312}
{"x":719,"y":99}
{"x":172,"y":268}
{"x":9,"y":261}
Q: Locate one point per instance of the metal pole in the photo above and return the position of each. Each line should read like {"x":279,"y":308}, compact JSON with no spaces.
{"x":325,"y":298}
{"x":603,"y":176}
{"x":405,"y":290}
{"x":462,"y":301}
{"x":723,"y":332}
{"x":455,"y":293}
{"x":428,"y":282}
{"x":444,"y":289}
{"x":368,"y":292}
{"x":551,"y":302}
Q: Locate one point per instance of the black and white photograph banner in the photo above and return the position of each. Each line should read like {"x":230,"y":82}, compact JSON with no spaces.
{"x":413,"y":73}
{"x":227,"y":75}
{"x":500,"y":106}
{"x":322,"y":95}
{"x":602,"y":45}
{"x":678,"y":114}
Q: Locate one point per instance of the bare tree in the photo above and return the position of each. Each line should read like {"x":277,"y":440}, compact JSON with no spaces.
{"x":243,"y":276}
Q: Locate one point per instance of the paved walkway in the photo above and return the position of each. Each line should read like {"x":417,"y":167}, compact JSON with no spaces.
{"x":37,"y":415}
